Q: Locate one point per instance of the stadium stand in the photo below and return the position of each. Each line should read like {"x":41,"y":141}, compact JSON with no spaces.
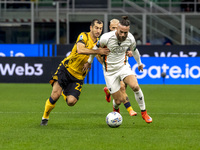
{"x":154,"y":20}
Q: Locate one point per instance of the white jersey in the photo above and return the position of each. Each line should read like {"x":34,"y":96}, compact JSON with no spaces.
{"x":117,"y":57}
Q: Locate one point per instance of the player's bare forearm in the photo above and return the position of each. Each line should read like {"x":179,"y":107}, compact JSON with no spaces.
{"x":81,"y":49}
{"x":103,"y":51}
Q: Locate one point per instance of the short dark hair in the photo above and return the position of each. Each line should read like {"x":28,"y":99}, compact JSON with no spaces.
{"x":125,"y":21}
{"x":97,"y":21}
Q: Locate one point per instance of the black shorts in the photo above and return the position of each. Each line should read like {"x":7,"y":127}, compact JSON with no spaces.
{"x":69,"y":84}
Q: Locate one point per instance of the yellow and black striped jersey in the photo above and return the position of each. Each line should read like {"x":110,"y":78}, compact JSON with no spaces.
{"x":74,"y":62}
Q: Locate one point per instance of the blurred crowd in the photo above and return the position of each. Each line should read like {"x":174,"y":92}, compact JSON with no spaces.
{"x":190,"y":5}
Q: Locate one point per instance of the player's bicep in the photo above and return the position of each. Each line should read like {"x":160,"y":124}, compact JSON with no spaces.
{"x":80,"y":47}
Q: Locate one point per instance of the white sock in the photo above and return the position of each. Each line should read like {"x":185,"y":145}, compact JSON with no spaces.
{"x":140,"y":99}
{"x":115,"y":105}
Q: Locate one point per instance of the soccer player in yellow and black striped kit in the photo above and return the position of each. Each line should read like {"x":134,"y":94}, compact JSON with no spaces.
{"x":68,"y":79}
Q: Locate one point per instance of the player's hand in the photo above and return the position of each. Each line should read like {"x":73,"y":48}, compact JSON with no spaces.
{"x":140,"y":68}
{"x":86,"y":66}
{"x":129,"y":53}
{"x":103,"y":51}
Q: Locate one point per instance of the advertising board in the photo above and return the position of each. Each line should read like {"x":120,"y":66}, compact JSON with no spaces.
{"x":28,"y":69}
{"x":178,"y":71}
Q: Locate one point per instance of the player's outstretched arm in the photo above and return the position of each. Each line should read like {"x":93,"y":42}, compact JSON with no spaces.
{"x":81,"y":49}
{"x":136,"y":55}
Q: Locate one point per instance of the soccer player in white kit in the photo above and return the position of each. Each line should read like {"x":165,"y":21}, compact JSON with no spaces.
{"x":116,"y":67}
{"x":113,"y":26}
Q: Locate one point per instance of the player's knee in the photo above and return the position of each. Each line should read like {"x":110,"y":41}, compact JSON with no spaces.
{"x":71,"y":100}
{"x":135,"y":87}
{"x":70,"y":103}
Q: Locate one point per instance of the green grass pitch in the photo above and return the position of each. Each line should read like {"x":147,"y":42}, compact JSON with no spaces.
{"x":175,"y":110}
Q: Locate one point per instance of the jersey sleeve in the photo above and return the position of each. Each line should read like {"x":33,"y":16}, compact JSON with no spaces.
{"x":133,"y":43}
{"x":136,"y":53}
{"x":83,"y":38}
{"x":91,"y":58}
{"x":103,"y":41}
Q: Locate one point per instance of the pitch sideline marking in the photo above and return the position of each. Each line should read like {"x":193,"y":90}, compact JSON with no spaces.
{"x":1,"y":112}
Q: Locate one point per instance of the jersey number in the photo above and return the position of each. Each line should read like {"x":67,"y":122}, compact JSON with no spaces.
{"x":78,"y":87}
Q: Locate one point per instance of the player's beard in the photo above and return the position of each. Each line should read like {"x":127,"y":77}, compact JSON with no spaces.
{"x":121,"y":38}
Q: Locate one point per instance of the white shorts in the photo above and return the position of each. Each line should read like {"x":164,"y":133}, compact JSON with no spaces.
{"x":113,"y":78}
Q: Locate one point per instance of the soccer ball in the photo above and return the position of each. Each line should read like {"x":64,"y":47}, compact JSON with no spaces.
{"x":114,"y":119}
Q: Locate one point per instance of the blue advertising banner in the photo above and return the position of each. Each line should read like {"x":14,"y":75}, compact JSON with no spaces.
{"x":178,"y":71}
{"x":27,"y":50}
